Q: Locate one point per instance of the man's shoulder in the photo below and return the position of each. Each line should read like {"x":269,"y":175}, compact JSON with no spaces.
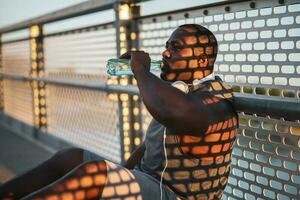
{"x":214,"y":92}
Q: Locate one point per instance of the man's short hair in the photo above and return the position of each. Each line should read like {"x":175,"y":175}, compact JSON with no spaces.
{"x":200,"y":31}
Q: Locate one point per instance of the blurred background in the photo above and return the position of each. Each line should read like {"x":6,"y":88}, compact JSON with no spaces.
{"x":55,"y":92}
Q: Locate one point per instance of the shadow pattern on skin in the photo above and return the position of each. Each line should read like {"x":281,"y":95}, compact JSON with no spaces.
{"x":92,"y":180}
{"x":199,"y":165}
{"x":190,"y":54}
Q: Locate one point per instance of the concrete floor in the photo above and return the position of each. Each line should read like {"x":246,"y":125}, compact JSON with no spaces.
{"x":17,"y":155}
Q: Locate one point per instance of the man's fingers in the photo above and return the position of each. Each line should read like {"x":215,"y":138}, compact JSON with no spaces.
{"x":129,"y":54}
{"x":126,"y":55}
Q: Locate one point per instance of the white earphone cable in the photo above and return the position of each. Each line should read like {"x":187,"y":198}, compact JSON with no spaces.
{"x":184,"y":88}
{"x":166,"y":165}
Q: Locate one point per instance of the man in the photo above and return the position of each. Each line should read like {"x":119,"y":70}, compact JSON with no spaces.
{"x":187,"y":150}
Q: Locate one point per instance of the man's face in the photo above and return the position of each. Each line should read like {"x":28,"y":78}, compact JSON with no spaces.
{"x":186,"y":56}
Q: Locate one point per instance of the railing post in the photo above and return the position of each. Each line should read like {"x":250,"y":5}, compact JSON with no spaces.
{"x":38,"y":70}
{"x":129,"y":106}
{"x":1,"y":79}
{"x":135,"y":101}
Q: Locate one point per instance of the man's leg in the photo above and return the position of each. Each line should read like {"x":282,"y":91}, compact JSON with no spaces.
{"x":102,"y":179}
{"x":98,"y":179}
{"x":86,"y":181}
{"x":44,"y":174}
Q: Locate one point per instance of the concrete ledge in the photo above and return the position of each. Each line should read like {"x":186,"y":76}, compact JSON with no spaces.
{"x":45,"y":140}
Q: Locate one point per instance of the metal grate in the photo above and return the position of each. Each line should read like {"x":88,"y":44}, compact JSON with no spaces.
{"x":17,"y":95}
{"x":258,"y":54}
{"x":16,"y":58}
{"x":75,"y":54}
{"x":266,"y":160}
{"x":258,"y":48}
{"x":85,"y":118}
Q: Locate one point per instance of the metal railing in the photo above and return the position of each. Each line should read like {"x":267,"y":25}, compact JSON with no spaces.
{"x":286,"y":109}
{"x":57,"y":83}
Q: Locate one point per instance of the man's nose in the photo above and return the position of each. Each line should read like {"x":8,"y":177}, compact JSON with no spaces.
{"x":166,"y":54}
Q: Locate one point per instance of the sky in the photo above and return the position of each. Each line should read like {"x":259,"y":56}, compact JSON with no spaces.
{"x":14,"y":11}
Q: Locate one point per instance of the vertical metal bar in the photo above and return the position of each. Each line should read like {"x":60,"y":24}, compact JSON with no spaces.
{"x":117,"y":27}
{"x":120,"y":109}
{"x":38,"y":70}
{"x":135,"y":99}
{"x":1,"y":80}
{"x":129,"y":105}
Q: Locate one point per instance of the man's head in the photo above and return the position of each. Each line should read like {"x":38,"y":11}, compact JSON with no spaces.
{"x":190,"y":54}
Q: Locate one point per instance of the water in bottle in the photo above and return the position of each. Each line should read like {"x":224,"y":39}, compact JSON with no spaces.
{"x":119,"y":67}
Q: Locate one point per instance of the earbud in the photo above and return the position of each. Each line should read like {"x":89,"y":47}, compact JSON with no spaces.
{"x":182,"y":86}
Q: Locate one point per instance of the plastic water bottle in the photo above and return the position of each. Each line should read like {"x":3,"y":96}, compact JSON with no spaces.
{"x":119,"y":67}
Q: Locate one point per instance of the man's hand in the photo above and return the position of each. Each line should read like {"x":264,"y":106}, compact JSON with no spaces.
{"x":140,"y":60}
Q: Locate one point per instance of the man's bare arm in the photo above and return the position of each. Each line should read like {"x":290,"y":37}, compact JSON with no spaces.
{"x":178,"y":111}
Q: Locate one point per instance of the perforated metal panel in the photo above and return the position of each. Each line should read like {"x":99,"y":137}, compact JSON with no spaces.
{"x":85,"y":118}
{"x":80,"y":52}
{"x":16,"y":57}
{"x":265,"y":160}
{"x":258,"y":48}
{"x":259,"y":54}
{"x":17,"y":95}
